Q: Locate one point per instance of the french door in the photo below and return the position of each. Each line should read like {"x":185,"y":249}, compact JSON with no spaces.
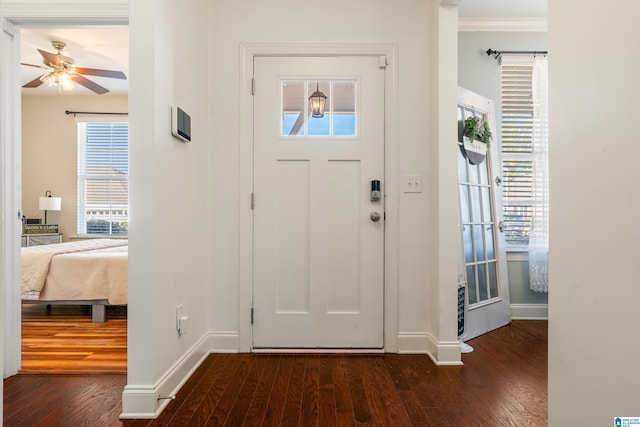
{"x":483,"y":245}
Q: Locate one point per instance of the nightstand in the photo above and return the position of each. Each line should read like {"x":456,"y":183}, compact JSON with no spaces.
{"x":41,"y":239}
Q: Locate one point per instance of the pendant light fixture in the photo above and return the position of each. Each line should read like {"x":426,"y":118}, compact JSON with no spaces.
{"x":317,"y":101}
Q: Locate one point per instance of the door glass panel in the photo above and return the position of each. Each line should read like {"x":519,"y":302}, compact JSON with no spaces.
{"x":464,"y":203}
{"x":344,"y":107}
{"x":473,"y":174}
{"x":462,"y":167}
{"x":478,"y":240}
{"x":476,"y":214}
{"x":482,"y":282}
{"x":493,"y":280}
{"x":471,"y":284}
{"x":293,"y":107}
{"x":339,"y":118}
{"x":468,"y":243}
{"x":488,"y":230}
{"x":320,"y":126}
{"x":483,"y":171}
{"x":486,"y":205}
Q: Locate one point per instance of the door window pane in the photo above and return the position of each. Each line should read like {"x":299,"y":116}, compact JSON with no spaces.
{"x":339,"y":117}
{"x":320,"y":126}
{"x":471,"y":284}
{"x":293,"y":107}
{"x":344,"y":107}
{"x":482,"y":282}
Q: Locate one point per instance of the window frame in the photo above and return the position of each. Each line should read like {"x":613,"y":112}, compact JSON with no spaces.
{"x":81,"y":177}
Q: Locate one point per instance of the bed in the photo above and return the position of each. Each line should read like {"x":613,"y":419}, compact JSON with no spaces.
{"x":87,"y":272}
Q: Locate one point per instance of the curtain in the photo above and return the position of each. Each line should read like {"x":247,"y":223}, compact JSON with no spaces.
{"x":539,"y":237}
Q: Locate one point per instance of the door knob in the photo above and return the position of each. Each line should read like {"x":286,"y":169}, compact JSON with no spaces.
{"x":375,"y":216}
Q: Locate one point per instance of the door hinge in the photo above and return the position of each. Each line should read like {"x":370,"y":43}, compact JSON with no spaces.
{"x":253,"y":86}
{"x":253,"y":201}
{"x":382,"y":62}
{"x":252,"y":315}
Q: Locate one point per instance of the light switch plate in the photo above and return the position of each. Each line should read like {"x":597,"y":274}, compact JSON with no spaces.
{"x":412,"y":183}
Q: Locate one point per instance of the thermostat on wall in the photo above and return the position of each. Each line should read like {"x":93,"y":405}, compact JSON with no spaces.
{"x":180,"y":124}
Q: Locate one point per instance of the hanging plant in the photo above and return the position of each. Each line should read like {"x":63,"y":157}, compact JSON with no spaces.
{"x":478,"y":139}
{"x":477,"y":129}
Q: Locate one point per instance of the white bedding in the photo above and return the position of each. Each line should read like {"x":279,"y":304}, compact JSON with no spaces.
{"x":83,"y":270}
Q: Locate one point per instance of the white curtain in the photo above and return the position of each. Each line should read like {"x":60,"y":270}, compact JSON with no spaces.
{"x":539,"y":237}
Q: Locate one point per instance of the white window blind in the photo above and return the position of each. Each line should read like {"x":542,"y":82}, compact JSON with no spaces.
{"x":103,"y":178}
{"x":516,"y":135}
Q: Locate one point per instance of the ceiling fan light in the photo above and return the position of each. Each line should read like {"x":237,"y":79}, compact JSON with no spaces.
{"x":58,"y":78}
{"x":65,"y":81}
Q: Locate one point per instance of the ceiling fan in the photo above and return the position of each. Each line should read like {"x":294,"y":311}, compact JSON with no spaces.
{"x":64,"y":73}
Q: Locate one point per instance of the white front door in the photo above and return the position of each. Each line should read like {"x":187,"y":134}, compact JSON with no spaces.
{"x":485,"y":262}
{"x":318,"y":235}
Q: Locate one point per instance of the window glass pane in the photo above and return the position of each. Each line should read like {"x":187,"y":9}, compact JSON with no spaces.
{"x":475,"y":204}
{"x":344,"y":107}
{"x":478,"y":237}
{"x":483,"y":169}
{"x":464,"y":203}
{"x":488,"y":231}
{"x":293,"y":103}
{"x":471,"y":284}
{"x":482,"y":282}
{"x":487,"y":215}
{"x":493,"y":280}
{"x":320,"y":126}
{"x":473,"y":174}
{"x":103,"y":178}
{"x":462,"y":166}
{"x":468,"y":244}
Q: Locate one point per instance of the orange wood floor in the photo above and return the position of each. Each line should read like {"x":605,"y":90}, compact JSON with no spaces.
{"x":64,"y":340}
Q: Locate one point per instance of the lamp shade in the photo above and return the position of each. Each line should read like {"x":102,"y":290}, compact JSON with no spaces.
{"x":50,"y":203}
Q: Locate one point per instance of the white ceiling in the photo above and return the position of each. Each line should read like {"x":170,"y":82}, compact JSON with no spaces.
{"x":106,"y":49}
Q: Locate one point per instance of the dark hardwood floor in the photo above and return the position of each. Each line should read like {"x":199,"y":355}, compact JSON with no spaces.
{"x":502,"y":383}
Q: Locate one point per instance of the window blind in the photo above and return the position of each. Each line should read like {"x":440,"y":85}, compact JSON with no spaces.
{"x":516,"y":135}
{"x":103,"y":178}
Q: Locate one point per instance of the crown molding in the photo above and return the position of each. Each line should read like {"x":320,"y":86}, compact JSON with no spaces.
{"x":502,"y":24}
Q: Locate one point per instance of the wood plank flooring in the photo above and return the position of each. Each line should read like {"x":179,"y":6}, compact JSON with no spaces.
{"x":502,"y":383}
{"x":64,"y":340}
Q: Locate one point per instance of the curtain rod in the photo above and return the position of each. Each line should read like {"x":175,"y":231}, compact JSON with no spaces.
{"x":94,"y":113}
{"x":496,"y":53}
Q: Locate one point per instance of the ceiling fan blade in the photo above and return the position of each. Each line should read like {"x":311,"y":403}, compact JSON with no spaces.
{"x":89,"y":84}
{"x":36,"y":66}
{"x":101,"y":73}
{"x":55,"y":59}
{"x":34,"y":83}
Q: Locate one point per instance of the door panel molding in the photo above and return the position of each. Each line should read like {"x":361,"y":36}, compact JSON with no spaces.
{"x":248,"y":51}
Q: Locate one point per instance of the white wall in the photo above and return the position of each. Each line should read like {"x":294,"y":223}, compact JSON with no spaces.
{"x":168,"y":250}
{"x":594,"y":295}
{"x":410,"y":25}
{"x":49,"y":152}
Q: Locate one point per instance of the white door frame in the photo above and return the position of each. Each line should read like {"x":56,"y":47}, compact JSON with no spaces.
{"x":245,"y":265}
{"x":15,"y":17}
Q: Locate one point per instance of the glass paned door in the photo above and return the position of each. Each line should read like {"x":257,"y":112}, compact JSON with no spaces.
{"x":477,"y":222}
{"x":482,"y":249}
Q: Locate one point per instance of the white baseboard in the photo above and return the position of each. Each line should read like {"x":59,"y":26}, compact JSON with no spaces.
{"x":529,"y":311}
{"x":224,"y":342}
{"x":147,"y":401}
{"x":442,"y":353}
